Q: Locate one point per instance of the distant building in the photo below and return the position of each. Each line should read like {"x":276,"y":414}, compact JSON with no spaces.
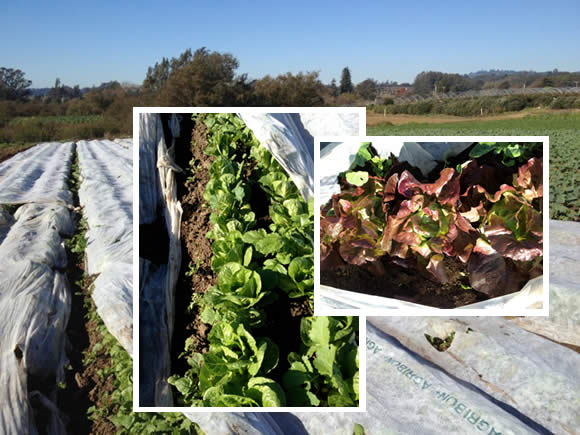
{"x":394,"y":91}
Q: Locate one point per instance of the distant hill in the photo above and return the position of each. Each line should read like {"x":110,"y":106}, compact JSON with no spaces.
{"x":42,"y":92}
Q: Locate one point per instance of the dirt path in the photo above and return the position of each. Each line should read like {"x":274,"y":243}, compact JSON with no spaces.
{"x":7,"y":151}
{"x":196,"y":274}
{"x":377,"y":118}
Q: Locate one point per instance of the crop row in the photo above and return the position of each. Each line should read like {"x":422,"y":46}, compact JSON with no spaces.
{"x":262,"y":233}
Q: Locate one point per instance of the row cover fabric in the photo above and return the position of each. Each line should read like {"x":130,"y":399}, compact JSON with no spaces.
{"x":563,"y":325}
{"x":339,"y":156}
{"x":34,"y":293}
{"x":157,"y":282}
{"x":106,"y":196}
{"x":38,"y":174}
{"x":291,"y":144}
{"x":537,"y":377}
{"x":150,"y":133}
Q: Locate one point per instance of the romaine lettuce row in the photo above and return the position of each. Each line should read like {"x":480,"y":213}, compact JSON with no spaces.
{"x":227,"y":193}
{"x":230,"y":249}
{"x":253,"y":266}
{"x":278,"y":186}
{"x":225,"y":224}
{"x":232,"y":372}
{"x":229,"y":134}
{"x":238,"y":290}
{"x":325,"y":372}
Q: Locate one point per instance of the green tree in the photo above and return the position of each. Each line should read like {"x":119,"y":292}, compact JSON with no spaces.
{"x":427,"y":82}
{"x":346,"y":81}
{"x":205,"y":79}
{"x":367,"y":89}
{"x":332,"y":88}
{"x":302,"y":89}
{"x":13,"y":85}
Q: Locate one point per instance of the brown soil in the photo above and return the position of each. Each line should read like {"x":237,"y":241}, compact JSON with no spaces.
{"x":74,"y":399}
{"x":12,"y":150}
{"x":89,"y":380}
{"x":378,"y":118}
{"x":196,"y":248}
{"x":84,"y":386}
{"x":407,"y":285}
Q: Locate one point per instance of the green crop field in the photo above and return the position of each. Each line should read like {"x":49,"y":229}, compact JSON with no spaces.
{"x":69,"y":119}
{"x":564,"y":133}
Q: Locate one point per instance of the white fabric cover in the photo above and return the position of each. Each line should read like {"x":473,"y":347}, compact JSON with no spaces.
{"x":34,"y":308}
{"x":157,"y":283}
{"x":537,"y":377}
{"x":106,"y":196}
{"x":38,"y":174}
{"x":290,"y":139}
{"x":563,"y":325}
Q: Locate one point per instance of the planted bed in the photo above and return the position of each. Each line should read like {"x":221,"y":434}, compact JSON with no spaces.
{"x":467,"y":230}
{"x":244,"y":330}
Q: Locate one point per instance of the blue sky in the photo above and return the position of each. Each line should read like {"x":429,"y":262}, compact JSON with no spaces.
{"x":106,"y":40}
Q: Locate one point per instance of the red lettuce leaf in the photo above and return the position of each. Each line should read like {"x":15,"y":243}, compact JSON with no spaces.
{"x":491,"y":273}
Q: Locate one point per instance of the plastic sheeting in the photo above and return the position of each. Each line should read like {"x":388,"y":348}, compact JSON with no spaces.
{"x":35,"y":308}
{"x":533,"y":375}
{"x":563,"y":325}
{"x":38,"y":174}
{"x":106,"y":196}
{"x":338,"y":157}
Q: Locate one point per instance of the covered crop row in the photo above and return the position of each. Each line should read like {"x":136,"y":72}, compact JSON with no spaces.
{"x":60,"y":365}
{"x":105,"y":195}
{"x":264,"y":348}
{"x":34,"y":292}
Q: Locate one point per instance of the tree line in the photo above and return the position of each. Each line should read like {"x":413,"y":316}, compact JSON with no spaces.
{"x":210,"y":78}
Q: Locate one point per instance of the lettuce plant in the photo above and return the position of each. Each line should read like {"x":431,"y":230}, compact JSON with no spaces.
{"x":326,"y":368}
{"x":469,"y":214}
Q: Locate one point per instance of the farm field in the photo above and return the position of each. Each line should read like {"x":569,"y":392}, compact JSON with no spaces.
{"x":35,"y":129}
{"x":374,"y":118}
{"x":564,"y":133}
{"x":93,"y":390}
{"x":66,"y":243}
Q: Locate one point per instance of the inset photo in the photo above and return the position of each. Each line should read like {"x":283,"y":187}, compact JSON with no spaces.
{"x":225,"y":315}
{"x":432,"y":226}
